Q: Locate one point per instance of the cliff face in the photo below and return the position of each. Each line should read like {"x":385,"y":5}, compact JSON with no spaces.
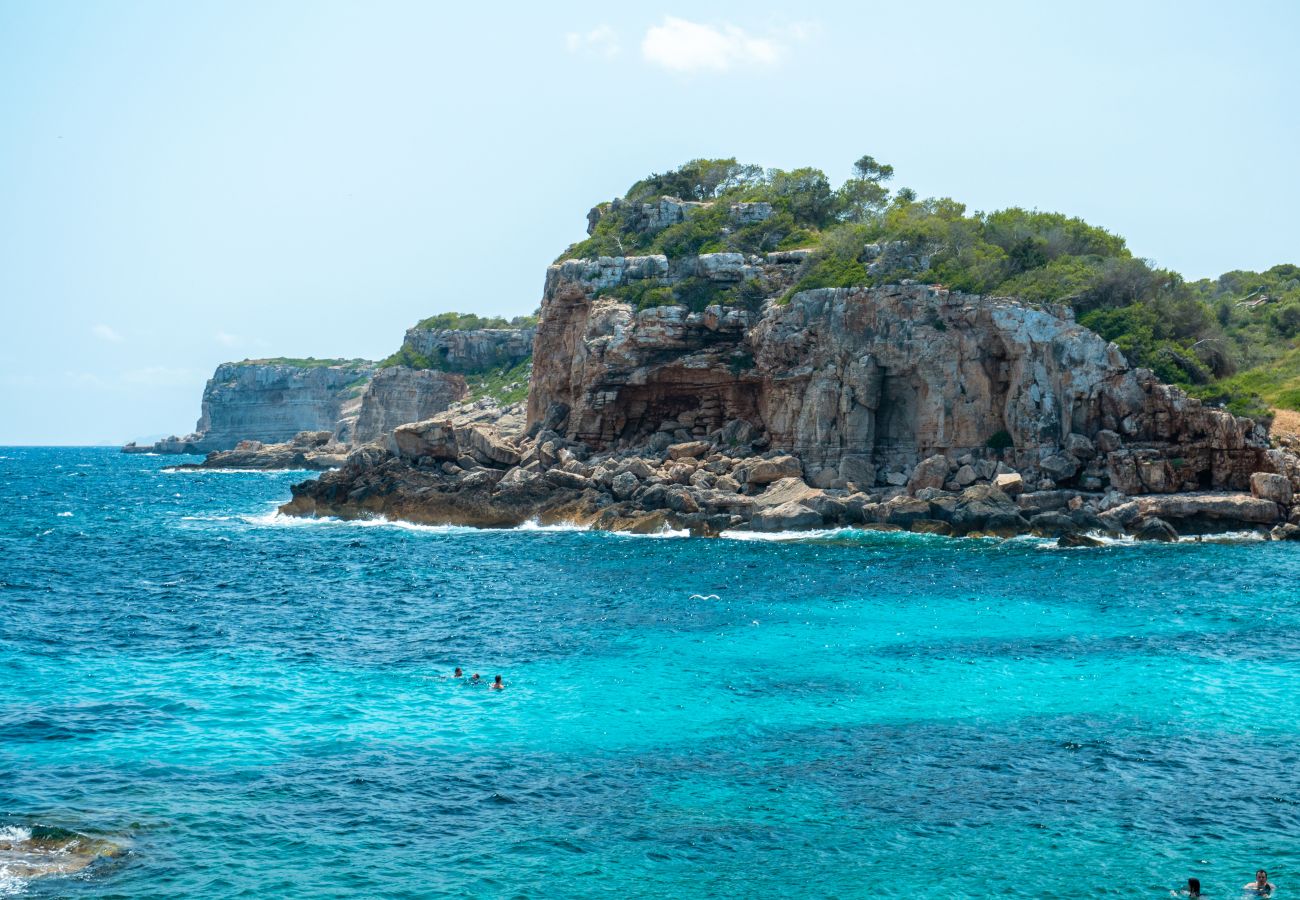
{"x":270,"y":402}
{"x":470,"y":351}
{"x":397,"y":395}
{"x":863,"y":383}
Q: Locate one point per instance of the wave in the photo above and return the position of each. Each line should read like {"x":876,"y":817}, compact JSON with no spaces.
{"x":277,"y":519}
{"x":36,"y":852}
{"x":176,"y":470}
{"x":535,"y":525}
{"x":63,"y":515}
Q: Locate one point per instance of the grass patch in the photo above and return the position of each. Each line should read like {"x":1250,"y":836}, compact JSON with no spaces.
{"x":504,"y":384}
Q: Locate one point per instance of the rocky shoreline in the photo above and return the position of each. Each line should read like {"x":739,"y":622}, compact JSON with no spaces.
{"x":477,"y":466}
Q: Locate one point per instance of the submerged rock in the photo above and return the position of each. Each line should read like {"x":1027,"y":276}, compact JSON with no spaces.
{"x":39,"y":851}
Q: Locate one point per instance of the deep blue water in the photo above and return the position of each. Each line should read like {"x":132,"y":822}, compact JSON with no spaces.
{"x":258,"y":707}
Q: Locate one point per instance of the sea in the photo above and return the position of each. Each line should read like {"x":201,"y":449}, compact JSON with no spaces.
{"x":249,"y":705}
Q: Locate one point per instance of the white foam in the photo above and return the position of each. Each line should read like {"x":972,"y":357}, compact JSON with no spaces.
{"x":816,"y":534}
{"x":63,"y":515}
{"x":534,"y":525}
{"x":276,"y":519}
{"x":174,"y":470}
{"x":15,"y":833}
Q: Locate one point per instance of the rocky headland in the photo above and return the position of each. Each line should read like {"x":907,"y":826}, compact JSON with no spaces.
{"x":904,"y":406}
{"x":308,"y":414}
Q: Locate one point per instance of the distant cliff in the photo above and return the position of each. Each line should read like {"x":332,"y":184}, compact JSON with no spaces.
{"x":271,"y":401}
{"x":443,"y":360}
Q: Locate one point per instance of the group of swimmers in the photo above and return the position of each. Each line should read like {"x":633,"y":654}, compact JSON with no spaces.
{"x":496,"y":685}
{"x":1261,"y":886}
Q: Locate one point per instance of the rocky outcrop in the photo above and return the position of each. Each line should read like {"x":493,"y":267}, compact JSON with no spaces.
{"x":864,"y":383}
{"x":308,"y":450}
{"x":898,"y":407}
{"x":270,"y":402}
{"x":397,"y":395}
{"x":469,"y":351}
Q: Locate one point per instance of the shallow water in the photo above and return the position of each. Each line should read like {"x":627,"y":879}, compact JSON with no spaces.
{"x":259,"y":707}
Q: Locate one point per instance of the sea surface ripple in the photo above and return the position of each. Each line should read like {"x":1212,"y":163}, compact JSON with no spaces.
{"x":254,"y":706}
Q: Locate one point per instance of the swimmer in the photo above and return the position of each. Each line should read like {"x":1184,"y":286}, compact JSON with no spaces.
{"x":459,"y":673}
{"x":497,"y":684}
{"x":1193,"y":888}
{"x":1261,"y":885}
{"x":474,"y":679}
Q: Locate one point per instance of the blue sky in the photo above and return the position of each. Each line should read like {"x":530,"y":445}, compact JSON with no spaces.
{"x":182,"y":184}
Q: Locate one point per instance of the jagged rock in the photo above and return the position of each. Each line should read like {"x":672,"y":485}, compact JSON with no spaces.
{"x":1155,"y":529}
{"x":624,"y":485}
{"x":1202,"y":510}
{"x":1078,"y":446}
{"x":902,"y":511}
{"x":769,"y":470}
{"x":1285,"y":532}
{"x":965,"y":476}
{"x":1267,"y":486}
{"x":1060,"y":466}
{"x":984,"y":508}
{"x":930,"y":526}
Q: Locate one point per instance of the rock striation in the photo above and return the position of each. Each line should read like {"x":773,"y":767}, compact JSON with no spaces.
{"x":270,"y":402}
{"x":399,"y":394}
{"x":901,"y":407}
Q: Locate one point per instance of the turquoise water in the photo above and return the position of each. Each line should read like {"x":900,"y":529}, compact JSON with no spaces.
{"x":257,"y":707}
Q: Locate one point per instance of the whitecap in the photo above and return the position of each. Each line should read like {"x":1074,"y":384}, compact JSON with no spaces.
{"x":63,"y":515}
{"x":737,"y":534}
{"x":277,"y":519}
{"x":535,"y":525}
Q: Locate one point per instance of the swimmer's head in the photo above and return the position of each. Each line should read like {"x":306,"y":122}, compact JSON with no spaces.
{"x":1261,"y":876}
{"x":497,"y":680}
{"x":459,"y":673}
{"x":1194,"y":887}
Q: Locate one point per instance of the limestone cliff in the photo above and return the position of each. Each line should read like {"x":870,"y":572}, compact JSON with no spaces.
{"x":861,"y":384}
{"x":271,"y":401}
{"x":399,"y":394}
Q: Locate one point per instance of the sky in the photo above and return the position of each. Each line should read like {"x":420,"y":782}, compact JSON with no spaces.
{"x":187,"y":183}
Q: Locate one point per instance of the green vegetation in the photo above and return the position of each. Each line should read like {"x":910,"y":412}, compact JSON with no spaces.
{"x":694,"y":293}
{"x":456,"y":321}
{"x":1231,"y":340}
{"x":309,"y":362}
{"x":505,"y":384}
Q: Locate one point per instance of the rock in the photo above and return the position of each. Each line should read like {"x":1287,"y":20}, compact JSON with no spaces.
{"x":931,"y":472}
{"x":1202,"y":511}
{"x":1285,"y":532}
{"x":965,"y":476}
{"x":980,"y":506}
{"x":1078,"y":446}
{"x":1010,"y":483}
{"x":930,"y":526}
{"x":1060,"y":466}
{"x":903,"y":511}
{"x":1155,"y":529}
{"x":792,"y":516}
{"x":269,"y":401}
{"x":1078,"y":539}
{"x":488,"y":447}
{"x":429,"y":438}
{"x":1267,"y":486}
{"x":770,"y":470}
{"x":1052,"y":524}
{"x":624,"y":485}
{"x":689,"y":450}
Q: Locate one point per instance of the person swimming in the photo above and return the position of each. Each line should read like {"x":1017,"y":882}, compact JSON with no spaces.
{"x":498,"y":684}
{"x":1261,"y":885}
{"x":1193,"y":888}
{"x":474,"y":679}
{"x":458,"y":673}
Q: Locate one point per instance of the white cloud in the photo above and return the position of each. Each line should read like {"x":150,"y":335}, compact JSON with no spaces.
{"x":679,"y":45}
{"x":601,"y":42}
{"x":105,"y":333}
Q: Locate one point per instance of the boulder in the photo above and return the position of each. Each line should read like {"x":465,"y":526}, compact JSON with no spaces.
{"x":428,"y":438}
{"x":1078,"y":539}
{"x":931,"y":472}
{"x":689,"y":450}
{"x":623,"y":485}
{"x":1155,"y":529}
{"x":1052,"y":524}
{"x":965,"y":476}
{"x":1009,"y":483}
{"x":792,"y":516}
{"x":769,"y":470}
{"x":1267,"y":486}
